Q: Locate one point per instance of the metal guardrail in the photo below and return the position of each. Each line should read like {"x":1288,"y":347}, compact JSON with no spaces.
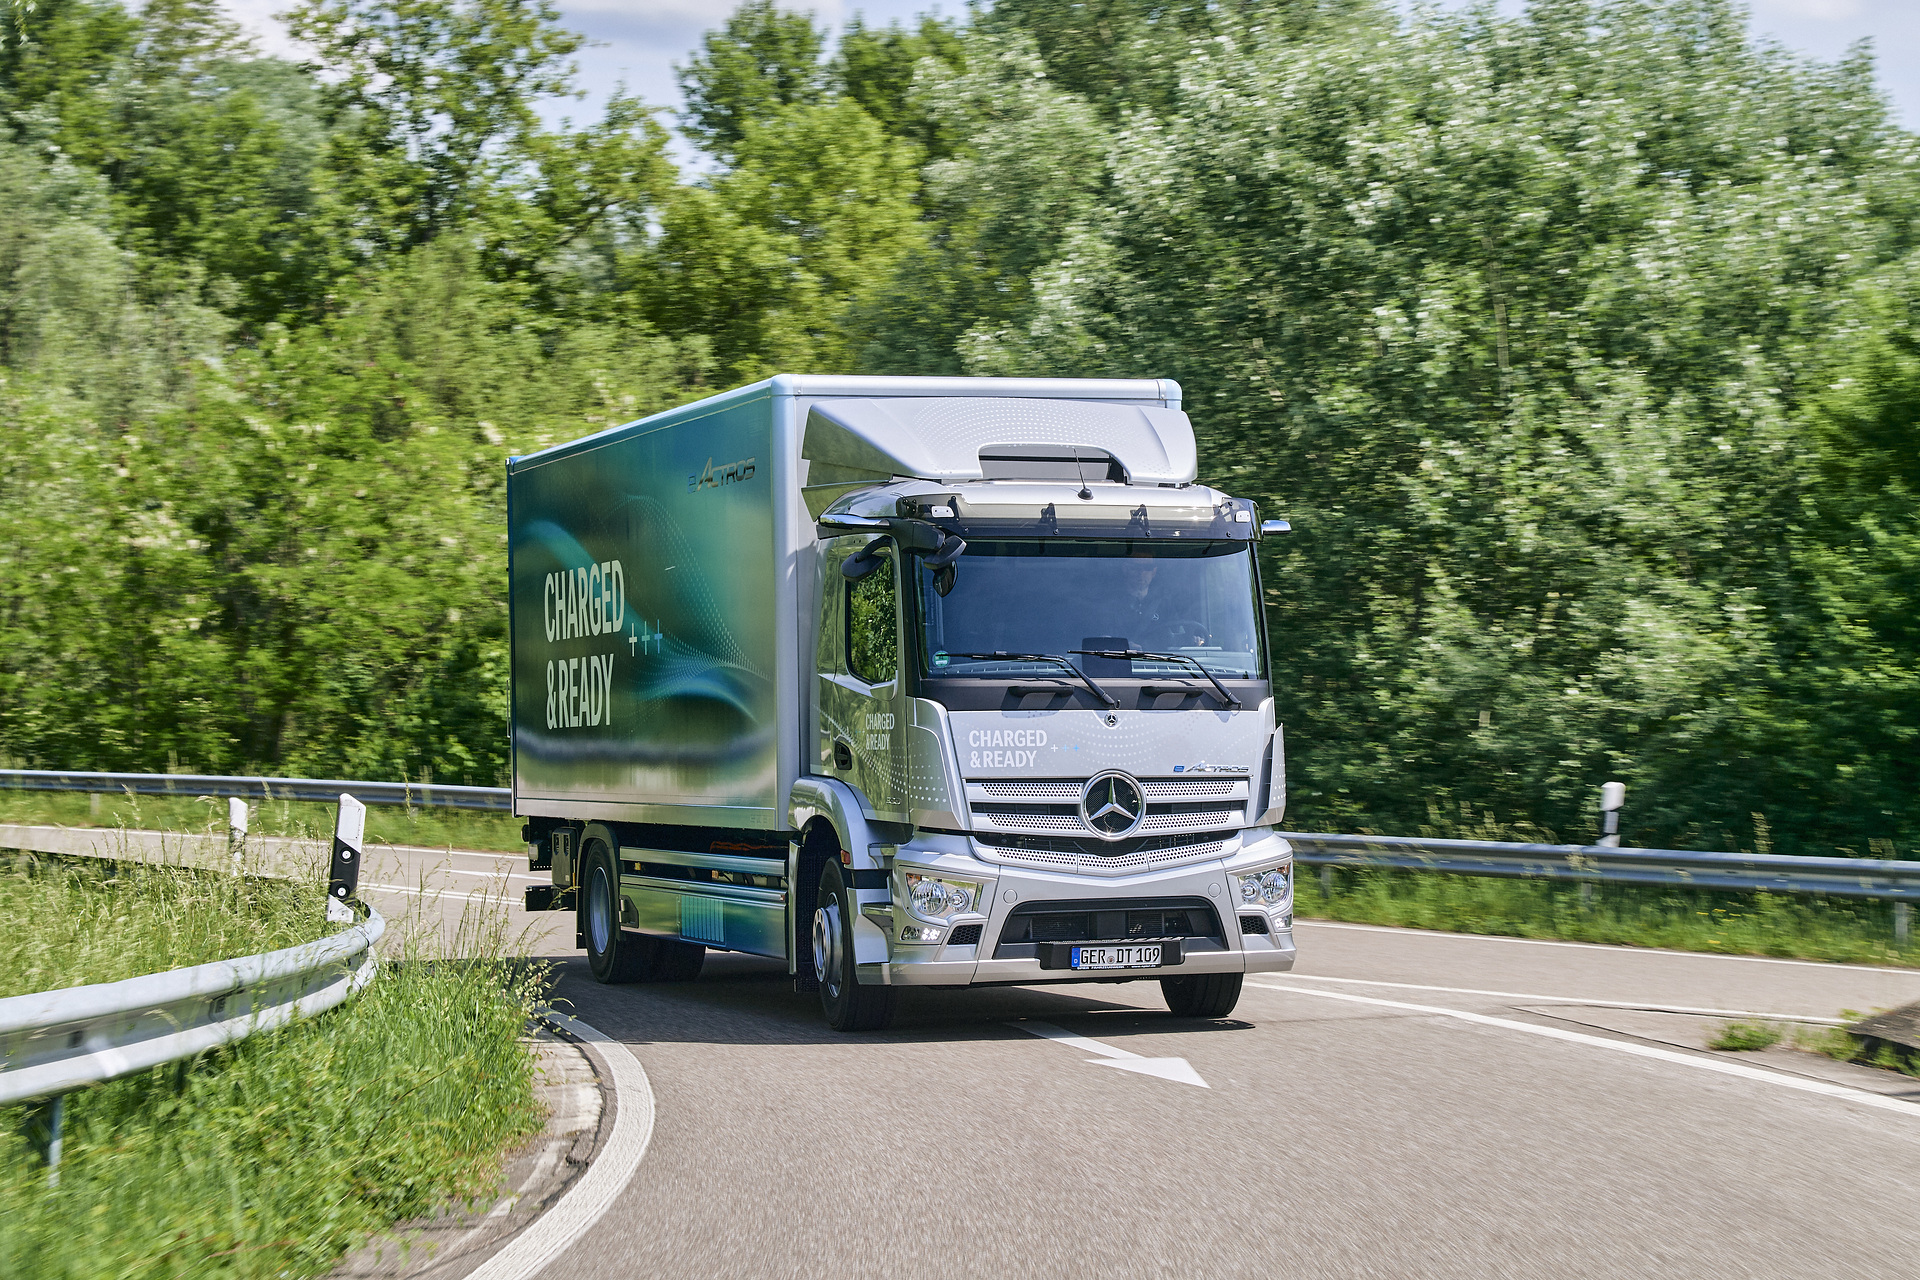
{"x":53,"y":1042}
{"x":494,"y":799}
{"x":1680,"y":868}
{"x":1839,"y":877}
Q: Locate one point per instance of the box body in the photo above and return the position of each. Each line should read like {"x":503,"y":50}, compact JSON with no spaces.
{"x":649,"y":584}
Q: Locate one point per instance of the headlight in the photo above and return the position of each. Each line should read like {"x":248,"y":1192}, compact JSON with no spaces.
{"x":1270,"y":887}
{"x":932,"y":898}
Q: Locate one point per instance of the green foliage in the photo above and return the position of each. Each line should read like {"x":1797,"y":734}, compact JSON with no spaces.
{"x":431,"y":104}
{"x":418,"y":825}
{"x":876,"y":67}
{"x":1745,"y":1036}
{"x":103,"y":922}
{"x":763,"y":61}
{"x":873,"y":636}
{"x":1515,"y":319}
{"x":1842,"y":930}
{"x":1580,"y":347}
{"x":769,"y":260}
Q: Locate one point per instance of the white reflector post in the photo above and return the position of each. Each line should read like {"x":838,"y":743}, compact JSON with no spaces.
{"x":236,"y":824}
{"x":349,"y":839}
{"x":1613,"y":796}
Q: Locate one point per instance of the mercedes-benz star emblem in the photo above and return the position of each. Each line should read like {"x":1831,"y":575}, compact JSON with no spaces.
{"x":1112,"y":806}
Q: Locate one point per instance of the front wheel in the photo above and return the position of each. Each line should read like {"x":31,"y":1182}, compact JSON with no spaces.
{"x":1209,"y":995}
{"x":848,"y":1005}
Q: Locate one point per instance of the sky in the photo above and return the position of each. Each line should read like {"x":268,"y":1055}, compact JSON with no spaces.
{"x":638,"y":41}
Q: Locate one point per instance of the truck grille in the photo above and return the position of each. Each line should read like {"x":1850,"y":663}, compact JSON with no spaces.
{"x":1051,"y":805}
{"x":1114,"y":863}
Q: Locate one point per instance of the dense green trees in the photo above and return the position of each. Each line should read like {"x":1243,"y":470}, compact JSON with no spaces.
{"x":1581,"y":348}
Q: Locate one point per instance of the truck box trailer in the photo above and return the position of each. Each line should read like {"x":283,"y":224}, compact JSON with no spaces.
{"x":904,"y":681}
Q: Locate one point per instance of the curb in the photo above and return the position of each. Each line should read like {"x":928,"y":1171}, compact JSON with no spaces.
{"x":514,"y":1237}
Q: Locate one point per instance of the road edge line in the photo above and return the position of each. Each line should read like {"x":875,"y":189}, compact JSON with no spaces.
{"x":1582,"y":1001}
{"x":1736,"y":1069}
{"x":567,"y":1221}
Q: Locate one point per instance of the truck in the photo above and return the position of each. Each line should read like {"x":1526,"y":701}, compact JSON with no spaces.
{"x":904,"y":681}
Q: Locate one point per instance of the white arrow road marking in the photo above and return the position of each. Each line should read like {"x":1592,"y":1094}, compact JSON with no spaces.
{"x":1696,"y":1061}
{"x":1175,"y":1069}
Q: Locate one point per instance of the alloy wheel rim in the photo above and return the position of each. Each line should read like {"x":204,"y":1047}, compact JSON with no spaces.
{"x":826,"y":947}
{"x":600,"y":911}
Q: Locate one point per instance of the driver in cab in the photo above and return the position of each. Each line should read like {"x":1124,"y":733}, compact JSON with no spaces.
{"x":1150,"y":620}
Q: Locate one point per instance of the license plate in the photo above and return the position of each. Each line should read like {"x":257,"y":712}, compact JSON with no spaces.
{"x":1147,"y":957}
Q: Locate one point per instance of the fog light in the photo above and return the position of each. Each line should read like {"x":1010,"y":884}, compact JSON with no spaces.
{"x":920,"y":933}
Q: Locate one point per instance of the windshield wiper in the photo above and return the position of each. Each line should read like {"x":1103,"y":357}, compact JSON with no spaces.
{"x":1226,"y":698}
{"x":1055,"y":658}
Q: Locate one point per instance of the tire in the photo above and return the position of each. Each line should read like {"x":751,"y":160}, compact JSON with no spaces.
{"x":1208,"y":995}
{"x":848,"y":1005}
{"x":613,"y":953}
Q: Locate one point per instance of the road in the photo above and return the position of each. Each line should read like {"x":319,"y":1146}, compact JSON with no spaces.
{"x":1405,"y":1104}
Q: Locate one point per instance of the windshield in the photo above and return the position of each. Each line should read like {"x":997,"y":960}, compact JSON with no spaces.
{"x":1056,"y":595}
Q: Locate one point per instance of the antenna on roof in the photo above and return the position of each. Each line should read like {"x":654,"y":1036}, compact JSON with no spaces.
{"x":1085,"y":494}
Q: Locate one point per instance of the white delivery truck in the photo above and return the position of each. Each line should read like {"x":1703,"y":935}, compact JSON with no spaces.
{"x":906,"y":681}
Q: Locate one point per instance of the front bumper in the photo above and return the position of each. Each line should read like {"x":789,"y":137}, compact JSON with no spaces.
{"x":1008,"y":888}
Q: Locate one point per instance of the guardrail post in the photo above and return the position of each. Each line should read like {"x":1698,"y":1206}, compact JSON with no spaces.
{"x":1902,"y":923}
{"x":45,"y":1124}
{"x":343,"y":879}
{"x":236,"y":826}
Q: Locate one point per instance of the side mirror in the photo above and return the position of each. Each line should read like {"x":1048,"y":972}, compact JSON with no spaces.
{"x":866,"y":559}
{"x":1274,"y":526}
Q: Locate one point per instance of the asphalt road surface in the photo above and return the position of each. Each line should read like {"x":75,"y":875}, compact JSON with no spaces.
{"x":1404,"y":1104}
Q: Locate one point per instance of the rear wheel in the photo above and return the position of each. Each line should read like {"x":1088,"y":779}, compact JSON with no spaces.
{"x":613,"y":954}
{"x":1208,"y":995}
{"x":848,"y":1005}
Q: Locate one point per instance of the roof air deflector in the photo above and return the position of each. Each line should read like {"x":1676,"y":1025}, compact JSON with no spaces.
{"x":1050,"y":462}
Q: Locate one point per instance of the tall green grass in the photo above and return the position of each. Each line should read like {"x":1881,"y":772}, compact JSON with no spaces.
{"x":273,"y":1156}
{"x":391,"y":824}
{"x":76,"y":921}
{"x":1853,"y":930}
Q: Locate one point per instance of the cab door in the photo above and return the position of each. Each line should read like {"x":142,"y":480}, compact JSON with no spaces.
{"x":861,"y":703}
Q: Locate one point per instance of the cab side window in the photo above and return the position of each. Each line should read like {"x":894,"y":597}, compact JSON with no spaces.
{"x":873,"y":640}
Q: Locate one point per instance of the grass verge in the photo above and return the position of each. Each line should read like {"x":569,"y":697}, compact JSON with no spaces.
{"x":301,"y":820}
{"x":1833,"y":1042}
{"x":273,"y":1156}
{"x":1852,"y":930}
{"x":80,"y":921}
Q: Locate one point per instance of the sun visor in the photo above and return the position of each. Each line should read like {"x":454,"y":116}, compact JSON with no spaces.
{"x":936,"y":438}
